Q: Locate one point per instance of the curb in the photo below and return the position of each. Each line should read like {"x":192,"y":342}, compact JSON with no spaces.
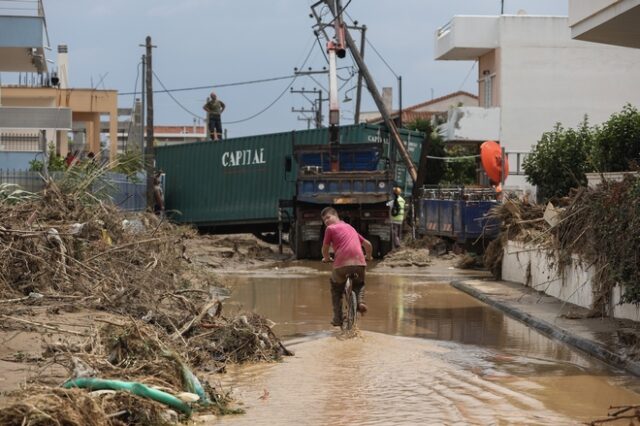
{"x":590,"y":347}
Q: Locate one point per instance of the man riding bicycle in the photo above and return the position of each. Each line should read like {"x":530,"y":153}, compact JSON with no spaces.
{"x":348,"y":260}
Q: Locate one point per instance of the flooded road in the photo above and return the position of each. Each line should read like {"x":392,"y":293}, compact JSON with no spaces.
{"x":427,"y":354}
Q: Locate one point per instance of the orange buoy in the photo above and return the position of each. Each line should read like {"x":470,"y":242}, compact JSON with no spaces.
{"x":491,"y":157}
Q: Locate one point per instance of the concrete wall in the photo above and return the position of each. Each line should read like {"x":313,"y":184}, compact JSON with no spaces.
{"x":529,"y":265}
{"x":17,"y":160}
{"x":473,"y":124}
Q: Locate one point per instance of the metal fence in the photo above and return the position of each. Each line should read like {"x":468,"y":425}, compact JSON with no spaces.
{"x":17,"y":142}
{"x":126,"y":194}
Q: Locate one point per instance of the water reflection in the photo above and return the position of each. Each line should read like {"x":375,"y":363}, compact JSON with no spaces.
{"x":471,"y":365}
{"x":398,"y":305}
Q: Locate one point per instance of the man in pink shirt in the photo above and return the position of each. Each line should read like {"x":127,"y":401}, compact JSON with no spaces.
{"x":348,"y":259}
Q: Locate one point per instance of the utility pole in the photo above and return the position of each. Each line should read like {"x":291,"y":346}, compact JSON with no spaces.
{"x":143,"y":95}
{"x":335,"y":11}
{"x":501,"y":7}
{"x":307,"y":119}
{"x":316,"y":108}
{"x":356,"y":116}
{"x":150,"y":160}
{"x":400,"y":101}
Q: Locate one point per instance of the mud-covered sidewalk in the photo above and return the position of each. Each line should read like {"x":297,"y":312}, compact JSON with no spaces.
{"x":611,"y":340}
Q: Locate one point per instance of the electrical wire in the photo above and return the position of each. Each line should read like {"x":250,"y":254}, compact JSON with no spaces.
{"x":174,"y":99}
{"x":376,"y":50}
{"x":286,"y":89}
{"x":216,"y":86}
{"x":133,"y":105}
{"x":468,"y":74}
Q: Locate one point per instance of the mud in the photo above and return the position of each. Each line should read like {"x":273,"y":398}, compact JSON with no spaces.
{"x":219,"y":253}
{"x":428,"y":354}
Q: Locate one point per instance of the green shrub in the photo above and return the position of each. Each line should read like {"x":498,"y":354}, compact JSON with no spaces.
{"x":440,"y":171}
{"x":559,"y":161}
{"x":617,"y":142}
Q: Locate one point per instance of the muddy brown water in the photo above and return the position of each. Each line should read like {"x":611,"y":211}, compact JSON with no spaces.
{"x":426,"y":354}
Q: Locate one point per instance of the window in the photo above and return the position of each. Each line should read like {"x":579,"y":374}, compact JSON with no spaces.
{"x":488,"y":88}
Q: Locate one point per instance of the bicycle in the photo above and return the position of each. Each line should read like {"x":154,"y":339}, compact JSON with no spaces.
{"x":349,"y":305}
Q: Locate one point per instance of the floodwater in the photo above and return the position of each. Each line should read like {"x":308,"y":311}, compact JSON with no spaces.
{"x":426,"y":354}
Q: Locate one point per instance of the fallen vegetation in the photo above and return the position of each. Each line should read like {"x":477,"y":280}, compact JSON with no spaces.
{"x":600,"y":225}
{"x":66,"y":248}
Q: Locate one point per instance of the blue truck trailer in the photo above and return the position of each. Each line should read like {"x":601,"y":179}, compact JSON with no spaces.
{"x":457,"y":213}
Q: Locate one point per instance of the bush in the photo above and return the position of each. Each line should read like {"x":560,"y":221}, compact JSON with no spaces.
{"x":56,"y":162}
{"x":617,"y":143}
{"x":559,"y":161}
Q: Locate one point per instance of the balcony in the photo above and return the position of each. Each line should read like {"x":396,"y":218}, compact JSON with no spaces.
{"x":23,"y":37}
{"x":606,"y":21}
{"x":466,"y":38}
{"x":471,"y":124}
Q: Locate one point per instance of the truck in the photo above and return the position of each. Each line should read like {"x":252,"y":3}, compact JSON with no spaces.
{"x":276,"y":182}
{"x":359,"y":188}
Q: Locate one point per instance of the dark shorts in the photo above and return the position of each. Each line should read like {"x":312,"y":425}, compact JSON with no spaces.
{"x":339,"y":275}
{"x":215,"y":123}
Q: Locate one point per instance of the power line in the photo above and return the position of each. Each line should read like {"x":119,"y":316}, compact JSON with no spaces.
{"x":133,"y":104}
{"x":174,"y":99}
{"x":468,"y":74}
{"x":375,"y":50}
{"x":215,"y":86}
{"x":286,"y":89}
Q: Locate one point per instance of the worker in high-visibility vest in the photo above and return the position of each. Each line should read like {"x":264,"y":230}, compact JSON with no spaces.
{"x":397,"y":216}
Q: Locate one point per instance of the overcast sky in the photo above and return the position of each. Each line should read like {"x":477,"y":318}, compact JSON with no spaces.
{"x":211,"y":42}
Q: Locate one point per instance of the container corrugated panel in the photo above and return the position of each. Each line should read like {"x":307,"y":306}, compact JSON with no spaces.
{"x":232,"y":181}
{"x":240,"y":180}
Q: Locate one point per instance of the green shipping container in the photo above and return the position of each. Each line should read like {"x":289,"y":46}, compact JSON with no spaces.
{"x":239,"y":181}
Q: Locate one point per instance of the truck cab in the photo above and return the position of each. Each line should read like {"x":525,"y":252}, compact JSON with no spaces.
{"x":359,"y":190}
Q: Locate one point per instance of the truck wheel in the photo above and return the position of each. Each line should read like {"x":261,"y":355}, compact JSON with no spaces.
{"x":298,"y":246}
{"x":375,"y":244}
{"x":314,"y":249}
{"x":385,"y":247}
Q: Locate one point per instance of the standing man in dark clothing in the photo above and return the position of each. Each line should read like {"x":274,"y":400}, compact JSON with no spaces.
{"x":214,"y":108}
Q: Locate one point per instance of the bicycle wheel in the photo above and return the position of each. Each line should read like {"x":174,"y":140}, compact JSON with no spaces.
{"x":349,"y":307}
{"x":353,"y":311}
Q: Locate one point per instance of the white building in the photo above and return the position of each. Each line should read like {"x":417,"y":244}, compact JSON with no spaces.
{"x":532,"y":75}
{"x":606,"y":21}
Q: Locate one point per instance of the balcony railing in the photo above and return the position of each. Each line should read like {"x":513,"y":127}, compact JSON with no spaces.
{"x":516,"y":160}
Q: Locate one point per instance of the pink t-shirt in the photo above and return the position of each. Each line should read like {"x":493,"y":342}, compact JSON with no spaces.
{"x":347,"y":244}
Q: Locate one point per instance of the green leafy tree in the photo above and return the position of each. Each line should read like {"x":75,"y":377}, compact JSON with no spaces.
{"x":559,"y":161}
{"x":617,"y":143}
{"x":440,"y":171}
{"x":459,"y":172}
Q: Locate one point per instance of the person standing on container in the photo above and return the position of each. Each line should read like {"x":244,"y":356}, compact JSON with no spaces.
{"x":397,"y":216}
{"x":214,"y":108}
{"x":347,"y":246}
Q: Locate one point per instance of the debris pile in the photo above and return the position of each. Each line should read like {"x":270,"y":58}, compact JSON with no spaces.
{"x":65,"y":249}
{"x":406,"y":257}
{"x":601,"y":225}
{"x":520,"y":221}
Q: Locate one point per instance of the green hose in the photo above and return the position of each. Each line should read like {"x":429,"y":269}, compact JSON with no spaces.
{"x":133,"y":387}
{"x":193,"y":385}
